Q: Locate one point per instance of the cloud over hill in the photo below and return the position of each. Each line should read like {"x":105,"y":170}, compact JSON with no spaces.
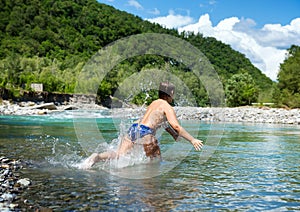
{"x":265,"y":47}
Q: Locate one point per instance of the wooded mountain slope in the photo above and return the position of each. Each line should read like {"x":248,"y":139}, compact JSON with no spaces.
{"x":49,"y":41}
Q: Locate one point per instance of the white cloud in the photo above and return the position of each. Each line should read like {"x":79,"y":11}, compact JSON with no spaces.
{"x":265,"y":47}
{"x":279,"y":36}
{"x":135,"y":4}
{"x":155,"y":11}
{"x":172,"y":20}
{"x":212,"y":2}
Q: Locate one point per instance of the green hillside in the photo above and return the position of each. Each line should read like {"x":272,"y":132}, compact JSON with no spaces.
{"x":49,"y":41}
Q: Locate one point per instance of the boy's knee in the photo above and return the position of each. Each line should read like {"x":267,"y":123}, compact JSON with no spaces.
{"x":152,"y":149}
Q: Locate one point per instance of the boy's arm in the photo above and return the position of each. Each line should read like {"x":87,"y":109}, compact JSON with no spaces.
{"x":172,"y":119}
{"x":172,"y":131}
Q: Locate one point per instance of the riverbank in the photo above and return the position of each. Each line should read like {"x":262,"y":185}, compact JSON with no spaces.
{"x":11,"y":183}
{"x":242,"y":115}
{"x":238,"y":114}
{"x":32,"y":108}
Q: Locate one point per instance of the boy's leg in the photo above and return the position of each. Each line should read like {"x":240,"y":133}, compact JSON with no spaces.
{"x":125,"y":146}
{"x":151,"y":147}
{"x":95,"y":157}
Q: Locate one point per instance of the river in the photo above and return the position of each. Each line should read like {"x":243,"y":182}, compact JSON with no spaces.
{"x":253,"y":167}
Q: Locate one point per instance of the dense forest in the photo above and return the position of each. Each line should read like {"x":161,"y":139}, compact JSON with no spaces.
{"x":287,"y":92}
{"x":50,"y":41}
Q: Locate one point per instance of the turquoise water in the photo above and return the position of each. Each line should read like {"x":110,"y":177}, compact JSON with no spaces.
{"x":255,"y":167}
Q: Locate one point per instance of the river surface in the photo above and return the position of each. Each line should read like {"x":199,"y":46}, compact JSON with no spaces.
{"x":248,"y":167}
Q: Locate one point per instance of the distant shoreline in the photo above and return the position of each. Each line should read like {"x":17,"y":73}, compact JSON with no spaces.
{"x":247,"y":114}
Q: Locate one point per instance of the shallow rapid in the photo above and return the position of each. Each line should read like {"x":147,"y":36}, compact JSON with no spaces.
{"x":255,"y":167}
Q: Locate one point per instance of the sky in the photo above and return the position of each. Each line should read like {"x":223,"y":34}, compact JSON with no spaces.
{"x":260,"y":29}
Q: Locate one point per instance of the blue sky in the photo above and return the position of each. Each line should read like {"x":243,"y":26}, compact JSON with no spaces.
{"x":260,"y":29}
{"x":261,"y":11}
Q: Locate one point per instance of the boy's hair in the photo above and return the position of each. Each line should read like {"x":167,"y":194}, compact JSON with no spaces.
{"x":166,"y":89}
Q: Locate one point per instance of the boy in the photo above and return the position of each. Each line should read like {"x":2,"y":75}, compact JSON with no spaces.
{"x":143,"y":132}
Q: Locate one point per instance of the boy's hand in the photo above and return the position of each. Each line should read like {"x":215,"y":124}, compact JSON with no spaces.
{"x":197,"y":144}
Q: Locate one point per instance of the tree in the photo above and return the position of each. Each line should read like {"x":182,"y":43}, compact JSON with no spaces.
{"x":288,"y":92}
{"x":241,"y":90}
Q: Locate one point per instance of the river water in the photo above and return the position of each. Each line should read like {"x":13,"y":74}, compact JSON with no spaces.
{"x":253,"y":167}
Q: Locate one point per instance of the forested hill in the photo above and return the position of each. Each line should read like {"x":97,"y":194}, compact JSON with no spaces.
{"x":48,"y":41}
{"x":61,"y":28}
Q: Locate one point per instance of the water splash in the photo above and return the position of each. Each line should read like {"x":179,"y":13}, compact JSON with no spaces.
{"x":135,"y":157}
{"x":63,"y":153}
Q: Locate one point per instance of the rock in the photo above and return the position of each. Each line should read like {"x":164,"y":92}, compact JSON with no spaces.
{"x":8,"y":197}
{"x":5,"y":166}
{"x":70,"y":107}
{"x":24,"y":182}
{"x":13,"y":206}
{"x":42,"y":112}
{"x":4,"y":160}
{"x":49,"y":106}
{"x":26,"y":104}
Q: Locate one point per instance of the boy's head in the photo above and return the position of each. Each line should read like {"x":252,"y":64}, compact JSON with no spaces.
{"x":166,"y":89}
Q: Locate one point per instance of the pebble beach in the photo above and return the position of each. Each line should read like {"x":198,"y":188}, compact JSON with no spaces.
{"x":241,"y":115}
{"x":11,"y":183}
{"x":247,"y":114}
